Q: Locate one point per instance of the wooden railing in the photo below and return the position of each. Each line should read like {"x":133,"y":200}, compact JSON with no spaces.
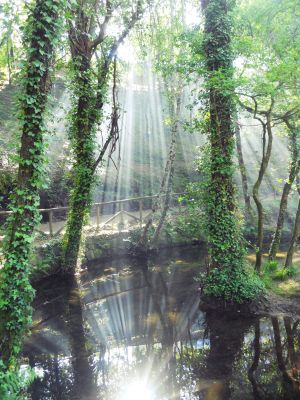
{"x":97,"y":208}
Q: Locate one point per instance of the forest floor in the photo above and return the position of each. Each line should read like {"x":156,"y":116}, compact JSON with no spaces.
{"x":287,"y":287}
{"x":283,"y":295}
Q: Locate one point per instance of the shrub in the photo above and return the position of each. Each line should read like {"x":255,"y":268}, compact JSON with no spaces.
{"x":271,"y":266}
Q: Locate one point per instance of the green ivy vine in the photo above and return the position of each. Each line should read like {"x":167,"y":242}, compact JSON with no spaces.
{"x":16,"y":294}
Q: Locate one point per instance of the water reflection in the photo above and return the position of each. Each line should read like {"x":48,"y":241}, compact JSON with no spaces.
{"x":132,"y":329}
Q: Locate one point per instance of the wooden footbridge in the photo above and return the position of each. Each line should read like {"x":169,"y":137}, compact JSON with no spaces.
{"x":109,"y":215}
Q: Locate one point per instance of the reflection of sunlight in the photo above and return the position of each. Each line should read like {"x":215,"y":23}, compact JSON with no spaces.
{"x":137,"y":391}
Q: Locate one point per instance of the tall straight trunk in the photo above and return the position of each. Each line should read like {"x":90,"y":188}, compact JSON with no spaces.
{"x":16,"y":292}
{"x":293,"y":172}
{"x":243,"y":171}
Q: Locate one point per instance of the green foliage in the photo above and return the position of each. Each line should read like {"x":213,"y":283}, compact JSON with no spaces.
{"x":14,"y":383}
{"x":271,"y":266}
{"x":236,"y":284}
{"x":273,"y":271}
{"x":281,"y":274}
{"x":7,"y":183}
{"x":268,"y":43}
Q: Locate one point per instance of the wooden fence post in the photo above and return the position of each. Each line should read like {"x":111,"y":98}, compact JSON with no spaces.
{"x":98,"y":215}
{"x":122,"y":215}
{"x":141,"y":211}
{"x":51,"y":223}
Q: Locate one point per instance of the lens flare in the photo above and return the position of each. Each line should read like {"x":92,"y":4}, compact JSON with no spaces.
{"x":136,"y":391}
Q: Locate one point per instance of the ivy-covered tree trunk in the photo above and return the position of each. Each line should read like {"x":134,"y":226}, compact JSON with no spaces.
{"x":82,"y":134}
{"x":226,"y":276}
{"x":89,"y":94}
{"x":16,"y":292}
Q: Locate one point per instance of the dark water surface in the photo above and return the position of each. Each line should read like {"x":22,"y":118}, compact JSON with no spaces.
{"x":132,"y":330}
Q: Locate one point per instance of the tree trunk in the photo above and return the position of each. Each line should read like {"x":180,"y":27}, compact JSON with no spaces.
{"x":16,"y":292}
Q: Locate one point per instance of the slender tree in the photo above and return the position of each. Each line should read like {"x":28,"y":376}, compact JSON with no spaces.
{"x":16,"y":292}
{"x":265,"y":119}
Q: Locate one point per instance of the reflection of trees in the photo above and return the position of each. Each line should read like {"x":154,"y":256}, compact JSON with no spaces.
{"x":290,"y":385}
{"x":84,"y":385}
{"x":226,"y":337}
{"x":65,"y":377}
{"x":273,"y":353}
{"x":143,"y":322}
{"x":254,"y":365}
{"x":161,"y":300}
{"x":57,"y":380}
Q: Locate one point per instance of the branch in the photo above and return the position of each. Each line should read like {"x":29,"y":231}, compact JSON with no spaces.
{"x":114,"y":126}
{"x":135,"y":16}
{"x":99,"y":39}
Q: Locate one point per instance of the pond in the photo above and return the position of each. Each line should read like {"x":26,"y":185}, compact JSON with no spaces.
{"x":131,"y":329}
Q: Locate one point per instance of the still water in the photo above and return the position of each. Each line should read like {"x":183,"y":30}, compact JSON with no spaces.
{"x":132,"y":329}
